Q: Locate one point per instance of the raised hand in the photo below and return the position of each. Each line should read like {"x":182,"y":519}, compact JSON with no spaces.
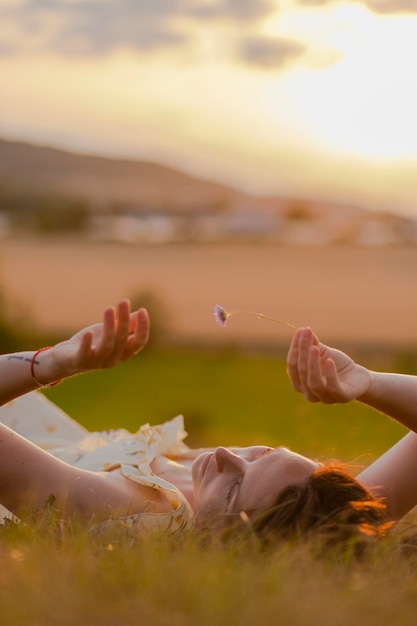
{"x":323,"y":374}
{"x":118,"y":337}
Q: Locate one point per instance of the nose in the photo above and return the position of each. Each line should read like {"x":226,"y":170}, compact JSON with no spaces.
{"x":226,"y":460}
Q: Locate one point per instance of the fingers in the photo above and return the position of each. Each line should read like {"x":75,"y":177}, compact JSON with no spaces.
{"x":122,"y":326}
{"x":306,"y":368}
{"x":313,"y":376}
{"x":121,"y":335}
{"x":106,"y":340}
{"x":322,"y":380}
{"x":127,"y":332}
{"x":139,"y":325}
{"x":292,"y":361}
{"x":298,"y":358}
{"x":86,"y":344}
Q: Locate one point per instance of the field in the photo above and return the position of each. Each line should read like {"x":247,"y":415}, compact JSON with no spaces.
{"x":70,"y":578}
{"x":346,"y":293}
{"x":226,"y":398}
{"x":232,"y":392}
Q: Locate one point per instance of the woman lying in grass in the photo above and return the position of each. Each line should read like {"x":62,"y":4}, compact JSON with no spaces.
{"x":151,"y":480}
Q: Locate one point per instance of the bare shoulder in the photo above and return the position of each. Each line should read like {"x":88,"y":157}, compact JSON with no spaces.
{"x":134,"y":497}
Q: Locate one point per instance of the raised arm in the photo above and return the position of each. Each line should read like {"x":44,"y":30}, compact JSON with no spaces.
{"x":119,"y":336}
{"x":323,"y":374}
{"x":29,"y":475}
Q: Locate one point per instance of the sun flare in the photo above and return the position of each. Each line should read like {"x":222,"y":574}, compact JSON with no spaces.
{"x":364,"y":102}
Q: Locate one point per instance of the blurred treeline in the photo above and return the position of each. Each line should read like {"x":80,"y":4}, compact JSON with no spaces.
{"x":18,"y":329}
{"x":41,"y":211}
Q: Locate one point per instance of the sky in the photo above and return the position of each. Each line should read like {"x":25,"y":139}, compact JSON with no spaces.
{"x":312,"y":98}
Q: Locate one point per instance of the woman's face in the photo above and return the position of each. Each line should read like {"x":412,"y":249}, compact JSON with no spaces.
{"x":228,"y":481}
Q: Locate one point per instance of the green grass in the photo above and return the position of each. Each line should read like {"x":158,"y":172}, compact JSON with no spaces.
{"x":226,"y":398}
{"x":53,"y":576}
{"x":71,"y":578}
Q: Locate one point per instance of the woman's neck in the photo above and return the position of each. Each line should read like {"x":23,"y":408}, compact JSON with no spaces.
{"x":178,"y":473}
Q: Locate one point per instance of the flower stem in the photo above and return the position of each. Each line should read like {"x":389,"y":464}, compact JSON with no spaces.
{"x":262,"y":316}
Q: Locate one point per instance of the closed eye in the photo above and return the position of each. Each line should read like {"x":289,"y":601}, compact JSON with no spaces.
{"x":233,"y":489}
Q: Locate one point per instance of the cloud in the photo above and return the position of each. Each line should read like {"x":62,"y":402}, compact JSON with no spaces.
{"x":238,"y":10}
{"x":106,"y":26}
{"x":100,"y":26}
{"x":391,"y":6}
{"x":316,"y":3}
{"x":268,"y":53}
{"x":383,"y":7}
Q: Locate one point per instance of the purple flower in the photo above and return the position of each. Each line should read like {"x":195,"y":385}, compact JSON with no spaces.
{"x":221,"y":315}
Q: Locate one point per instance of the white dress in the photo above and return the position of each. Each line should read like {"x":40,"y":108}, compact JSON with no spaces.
{"x":42,"y":422}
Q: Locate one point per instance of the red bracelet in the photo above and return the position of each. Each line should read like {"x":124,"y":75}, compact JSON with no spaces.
{"x":32,"y":370}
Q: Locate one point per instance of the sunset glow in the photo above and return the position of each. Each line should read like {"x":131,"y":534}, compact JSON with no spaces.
{"x":313,"y":97}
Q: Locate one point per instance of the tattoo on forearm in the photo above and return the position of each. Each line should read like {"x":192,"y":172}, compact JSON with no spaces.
{"x":17,"y":357}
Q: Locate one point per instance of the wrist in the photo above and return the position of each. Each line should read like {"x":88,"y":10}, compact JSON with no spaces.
{"x":42,"y":370}
{"x":371,"y":390}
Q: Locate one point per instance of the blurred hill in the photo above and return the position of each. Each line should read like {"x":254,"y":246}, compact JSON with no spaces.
{"x":103,"y":181}
{"x":46,"y":190}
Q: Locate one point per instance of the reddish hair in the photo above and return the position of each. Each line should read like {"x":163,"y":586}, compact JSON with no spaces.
{"x":331,"y":506}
